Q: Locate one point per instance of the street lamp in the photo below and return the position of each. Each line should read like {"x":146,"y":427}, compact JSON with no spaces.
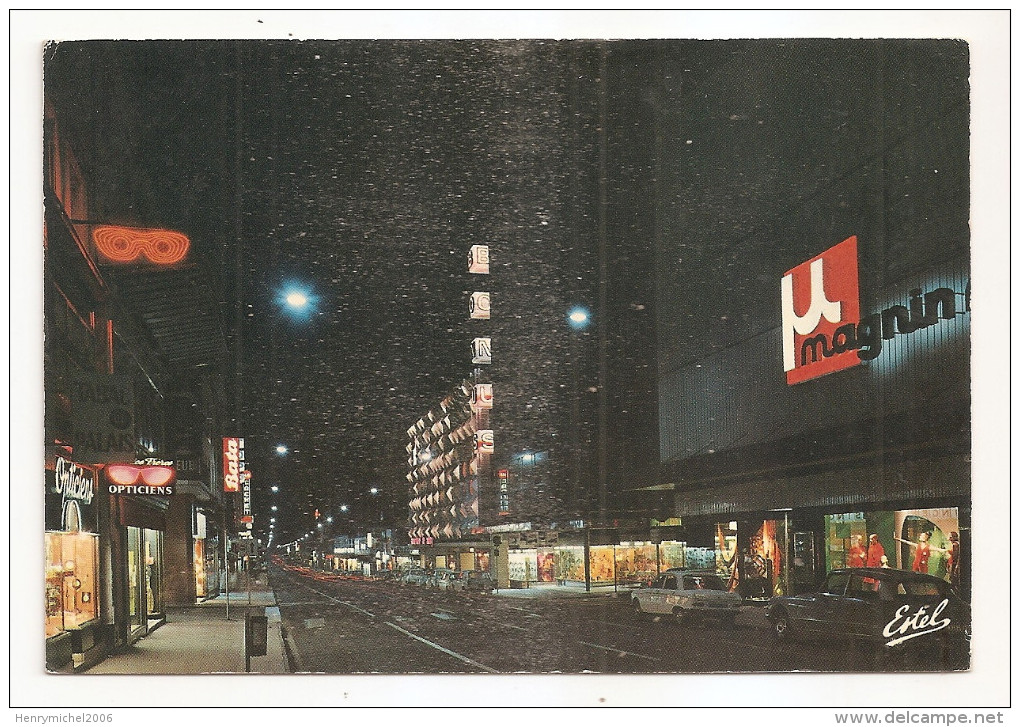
{"x":579,"y":317}
{"x":275,"y":488}
{"x":296,"y":300}
{"x":281,"y":449}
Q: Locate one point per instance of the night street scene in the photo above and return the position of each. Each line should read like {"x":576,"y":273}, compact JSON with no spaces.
{"x":507,"y":357}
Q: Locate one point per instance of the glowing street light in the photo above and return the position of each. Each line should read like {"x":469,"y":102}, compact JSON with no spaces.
{"x":281,"y":449}
{"x":296,"y":300}
{"x":273,"y":508}
{"x":374,"y":490}
{"x":579,"y":317}
{"x":274,"y":488}
{"x":343,"y":508}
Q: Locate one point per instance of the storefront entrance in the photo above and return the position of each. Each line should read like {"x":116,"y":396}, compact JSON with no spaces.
{"x":144,"y":580}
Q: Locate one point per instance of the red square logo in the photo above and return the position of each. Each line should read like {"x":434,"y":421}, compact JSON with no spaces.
{"x":821,"y":310}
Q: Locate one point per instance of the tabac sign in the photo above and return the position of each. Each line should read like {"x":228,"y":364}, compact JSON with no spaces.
{"x":823,"y":330}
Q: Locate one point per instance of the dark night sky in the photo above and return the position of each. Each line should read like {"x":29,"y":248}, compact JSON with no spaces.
{"x":367,"y":169}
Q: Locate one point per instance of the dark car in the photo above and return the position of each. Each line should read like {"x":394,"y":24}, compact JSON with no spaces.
{"x":477,"y":580}
{"x":893,"y":608}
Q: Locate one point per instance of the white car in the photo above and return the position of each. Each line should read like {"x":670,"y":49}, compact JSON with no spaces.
{"x":688,"y":595}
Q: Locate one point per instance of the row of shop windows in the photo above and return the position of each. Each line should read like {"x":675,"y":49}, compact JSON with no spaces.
{"x":776,"y":557}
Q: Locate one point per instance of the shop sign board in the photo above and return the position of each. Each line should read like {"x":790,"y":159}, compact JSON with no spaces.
{"x":246,"y":516}
{"x":141,"y":477}
{"x":233,"y":463}
{"x":822,"y":327}
{"x":72,"y":489}
{"x":103,"y":427}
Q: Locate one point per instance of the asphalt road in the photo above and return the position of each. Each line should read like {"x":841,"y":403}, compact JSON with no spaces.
{"x":365,"y":627}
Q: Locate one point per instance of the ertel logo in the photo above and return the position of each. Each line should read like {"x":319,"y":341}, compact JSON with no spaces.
{"x":821,"y":309}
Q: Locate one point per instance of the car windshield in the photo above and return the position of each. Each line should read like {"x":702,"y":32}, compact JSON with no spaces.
{"x":703,"y":583}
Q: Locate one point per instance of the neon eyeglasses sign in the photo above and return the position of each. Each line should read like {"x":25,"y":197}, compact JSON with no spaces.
{"x":145,"y":479}
{"x":128,"y":244}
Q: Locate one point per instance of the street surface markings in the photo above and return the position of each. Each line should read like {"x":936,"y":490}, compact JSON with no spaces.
{"x":513,"y":626}
{"x":337,"y":600}
{"x":444,"y":616}
{"x":618,"y":651}
{"x":443,"y":649}
{"x":299,"y":603}
{"x":619,"y":625}
{"x":531,"y":614}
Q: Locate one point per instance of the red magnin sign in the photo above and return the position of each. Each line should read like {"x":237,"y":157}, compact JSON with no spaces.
{"x":821,"y":310}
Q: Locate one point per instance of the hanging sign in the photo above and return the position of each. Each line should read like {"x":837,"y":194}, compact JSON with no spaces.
{"x":142,"y":477}
{"x":479,"y":307}
{"x":478,"y":259}
{"x":481,"y":351}
{"x":484,"y":441}
{"x":481,"y":396}
{"x":233,"y":463}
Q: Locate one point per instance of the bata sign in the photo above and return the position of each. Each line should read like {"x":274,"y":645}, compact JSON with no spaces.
{"x":233,"y":463}
{"x":823,"y":330}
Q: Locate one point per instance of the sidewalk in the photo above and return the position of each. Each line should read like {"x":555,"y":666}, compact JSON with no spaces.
{"x":553,"y":590}
{"x":199,"y":639}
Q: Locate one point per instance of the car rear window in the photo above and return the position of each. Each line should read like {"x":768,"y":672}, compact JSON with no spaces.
{"x":921,"y":588}
{"x":703,"y":583}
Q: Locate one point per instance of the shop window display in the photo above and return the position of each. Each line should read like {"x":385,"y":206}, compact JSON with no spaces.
{"x":672,"y":554}
{"x":569,"y":563}
{"x":546,"y":566}
{"x":134,"y":557}
{"x":153,"y":573}
{"x":200,"y":568}
{"x":635,"y":563}
{"x":925,"y":540}
{"x":71,"y":578}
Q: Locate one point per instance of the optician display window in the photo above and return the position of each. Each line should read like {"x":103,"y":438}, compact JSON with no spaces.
{"x":71,"y":577}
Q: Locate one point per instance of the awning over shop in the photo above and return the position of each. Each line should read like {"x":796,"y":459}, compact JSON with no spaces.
{"x":927,"y":479}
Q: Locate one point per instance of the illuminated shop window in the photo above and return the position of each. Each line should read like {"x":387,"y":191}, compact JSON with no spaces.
{"x":71,"y":580}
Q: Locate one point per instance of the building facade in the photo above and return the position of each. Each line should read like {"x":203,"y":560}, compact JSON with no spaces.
{"x":814,"y":307}
{"x":132,"y":513}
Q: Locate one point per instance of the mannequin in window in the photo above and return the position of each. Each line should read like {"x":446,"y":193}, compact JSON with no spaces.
{"x":953,"y":552}
{"x":857,"y":555}
{"x":922,"y":552}
{"x":875,"y":552}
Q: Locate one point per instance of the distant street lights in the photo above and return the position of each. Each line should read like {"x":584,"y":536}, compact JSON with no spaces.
{"x":282,"y":450}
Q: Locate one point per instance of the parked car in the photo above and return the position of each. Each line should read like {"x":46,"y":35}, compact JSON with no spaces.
{"x":688,"y":595}
{"x":886,"y":606}
{"x":477,"y":580}
{"x":415,"y":576}
{"x":446,"y":579}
